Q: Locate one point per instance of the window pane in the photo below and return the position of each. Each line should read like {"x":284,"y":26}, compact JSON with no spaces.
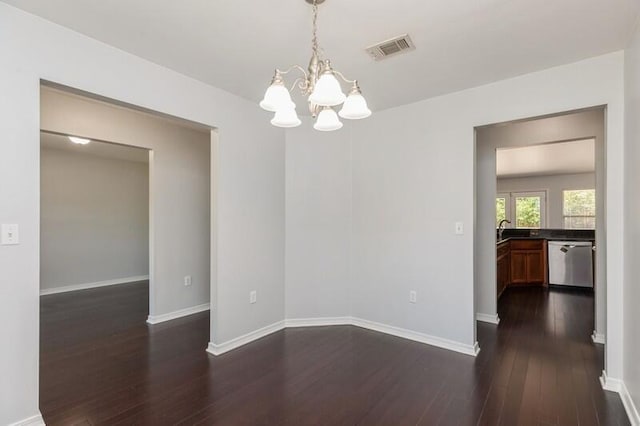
{"x":579,"y":208}
{"x":579,"y":222}
{"x":501,"y":210}
{"x":527,"y":212}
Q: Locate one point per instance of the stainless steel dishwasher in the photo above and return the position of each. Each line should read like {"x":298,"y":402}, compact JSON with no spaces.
{"x":571,"y":263}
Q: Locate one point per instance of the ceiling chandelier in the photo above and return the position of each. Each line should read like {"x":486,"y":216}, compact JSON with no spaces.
{"x":323,"y":89}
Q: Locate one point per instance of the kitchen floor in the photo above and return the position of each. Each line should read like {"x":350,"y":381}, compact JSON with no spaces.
{"x":550,"y":366}
{"x":101,"y":364}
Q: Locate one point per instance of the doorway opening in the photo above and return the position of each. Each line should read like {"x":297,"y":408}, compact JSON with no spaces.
{"x":126,"y":235}
{"x":540,"y":215}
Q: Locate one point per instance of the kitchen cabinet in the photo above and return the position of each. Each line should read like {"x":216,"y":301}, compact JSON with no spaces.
{"x":504,"y":267}
{"x":528,"y":262}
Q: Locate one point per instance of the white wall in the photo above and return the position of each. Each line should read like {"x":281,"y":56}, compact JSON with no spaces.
{"x":318,"y":225}
{"x":249,"y":186}
{"x":589,"y":124}
{"x":554,"y":185}
{"x":94,"y":218}
{"x":180,"y":218}
{"x":632,"y":222}
{"x":412,"y":178}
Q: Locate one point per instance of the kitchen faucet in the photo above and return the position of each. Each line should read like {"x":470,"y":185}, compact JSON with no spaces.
{"x":501,"y":227}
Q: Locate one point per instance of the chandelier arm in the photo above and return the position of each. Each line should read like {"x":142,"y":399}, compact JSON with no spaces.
{"x":346,"y":80}
{"x":291,"y":68}
{"x":300,"y":82}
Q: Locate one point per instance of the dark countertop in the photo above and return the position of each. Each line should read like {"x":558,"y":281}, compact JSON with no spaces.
{"x":547,"y":234}
{"x":504,"y":240}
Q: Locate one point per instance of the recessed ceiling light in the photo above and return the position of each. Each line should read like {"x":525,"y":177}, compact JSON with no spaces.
{"x":79,"y":141}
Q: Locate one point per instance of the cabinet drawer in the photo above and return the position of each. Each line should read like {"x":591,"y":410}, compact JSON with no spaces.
{"x":527,"y":244}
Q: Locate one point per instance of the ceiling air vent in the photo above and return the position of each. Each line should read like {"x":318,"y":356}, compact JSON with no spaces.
{"x":391,"y":47}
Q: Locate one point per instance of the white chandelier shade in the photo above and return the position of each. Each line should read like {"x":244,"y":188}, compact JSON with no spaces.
{"x":327,"y":120}
{"x":327,"y":91}
{"x":286,"y":117}
{"x":276,"y":97}
{"x":355,"y":107}
{"x":321,"y":84}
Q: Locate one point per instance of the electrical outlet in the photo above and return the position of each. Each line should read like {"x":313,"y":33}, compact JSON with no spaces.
{"x":10,"y":234}
{"x":413,"y":296}
{"x":459,"y":228}
{"x":253,"y":296}
{"x":187,"y":280}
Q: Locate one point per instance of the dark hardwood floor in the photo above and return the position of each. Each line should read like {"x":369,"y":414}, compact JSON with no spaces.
{"x":101,"y":364}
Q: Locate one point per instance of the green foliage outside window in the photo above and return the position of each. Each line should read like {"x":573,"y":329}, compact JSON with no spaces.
{"x":528,"y":212}
{"x":501,"y":210}
{"x":579,"y":209}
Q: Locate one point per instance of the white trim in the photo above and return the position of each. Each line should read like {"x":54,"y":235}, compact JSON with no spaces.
{"x":618,"y":386}
{"x":219,"y":349}
{"x":36,"y":420}
{"x":76,"y":287}
{"x":418,"y":337}
{"x":613,"y":385}
{"x":156,"y":319}
{"x":152,"y":233}
{"x":317,"y":322}
{"x":598,"y":338}
{"x":629,"y":406}
{"x":491,"y":319}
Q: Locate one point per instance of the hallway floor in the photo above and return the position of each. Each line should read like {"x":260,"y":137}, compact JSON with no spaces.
{"x":101,"y":364}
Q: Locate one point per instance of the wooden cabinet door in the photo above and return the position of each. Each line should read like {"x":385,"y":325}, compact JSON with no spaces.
{"x":535,"y":267}
{"x":503,"y":274}
{"x":528,"y":262}
{"x":519,"y":267}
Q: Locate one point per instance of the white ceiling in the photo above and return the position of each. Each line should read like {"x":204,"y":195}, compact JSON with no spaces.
{"x":236,"y":44}
{"x":547,"y":159}
{"x":99,"y":149}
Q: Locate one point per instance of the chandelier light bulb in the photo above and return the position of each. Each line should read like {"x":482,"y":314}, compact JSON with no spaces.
{"x":276,"y":97}
{"x":327,"y":120}
{"x":355,"y":107}
{"x":327,"y":91}
{"x":286,"y":117}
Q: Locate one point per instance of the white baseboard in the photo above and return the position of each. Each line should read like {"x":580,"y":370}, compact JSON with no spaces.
{"x":613,"y":385}
{"x":418,"y":337}
{"x":36,"y":420}
{"x":219,"y":349}
{"x":317,"y":322}
{"x":86,"y":286}
{"x":629,"y":406}
{"x":156,"y":319}
{"x":618,"y":386}
{"x":598,"y":338}
{"x":491,"y":319}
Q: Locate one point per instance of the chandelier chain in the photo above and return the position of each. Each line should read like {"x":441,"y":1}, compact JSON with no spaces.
{"x":314,"y":39}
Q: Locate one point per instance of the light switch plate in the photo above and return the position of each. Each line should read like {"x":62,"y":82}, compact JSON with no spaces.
{"x":413,"y":296}
{"x":10,"y":234}
{"x":459,"y":228}
{"x":253,"y":297}
{"x":187,"y":280}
